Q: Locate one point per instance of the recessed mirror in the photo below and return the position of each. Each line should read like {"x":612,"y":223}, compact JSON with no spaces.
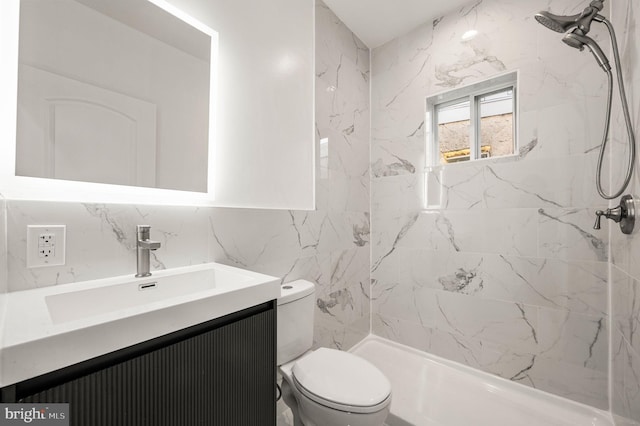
{"x":113,"y":92}
{"x":233,"y":108}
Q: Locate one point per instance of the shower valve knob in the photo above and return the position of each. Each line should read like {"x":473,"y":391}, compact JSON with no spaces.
{"x":624,"y":214}
{"x":613,"y":214}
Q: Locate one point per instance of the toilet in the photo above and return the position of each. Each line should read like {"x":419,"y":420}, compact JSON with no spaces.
{"x":324,"y":387}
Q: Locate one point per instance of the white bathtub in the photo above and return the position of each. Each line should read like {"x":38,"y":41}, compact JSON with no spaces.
{"x":430,"y":391}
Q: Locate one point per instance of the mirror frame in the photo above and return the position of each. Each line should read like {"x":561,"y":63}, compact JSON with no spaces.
{"x":14,"y":187}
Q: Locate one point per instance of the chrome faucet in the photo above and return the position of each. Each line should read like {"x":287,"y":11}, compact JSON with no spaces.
{"x":143,"y":246}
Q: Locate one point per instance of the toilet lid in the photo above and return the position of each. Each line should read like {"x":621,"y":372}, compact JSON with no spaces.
{"x":341,"y":378}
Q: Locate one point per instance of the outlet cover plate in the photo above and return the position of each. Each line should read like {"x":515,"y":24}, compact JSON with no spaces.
{"x":46,"y":245}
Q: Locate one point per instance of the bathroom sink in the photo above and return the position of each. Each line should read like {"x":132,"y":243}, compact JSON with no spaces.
{"x":49,"y":328}
{"x":124,"y":293}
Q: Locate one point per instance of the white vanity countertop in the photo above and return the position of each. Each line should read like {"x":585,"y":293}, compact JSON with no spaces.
{"x":43,"y":330}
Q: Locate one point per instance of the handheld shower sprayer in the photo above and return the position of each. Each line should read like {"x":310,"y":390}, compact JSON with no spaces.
{"x":576,"y":27}
{"x":580,"y":41}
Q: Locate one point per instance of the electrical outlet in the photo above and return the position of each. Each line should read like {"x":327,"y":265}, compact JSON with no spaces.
{"x":47,"y":239}
{"x":45,"y":245}
{"x":46,"y":252}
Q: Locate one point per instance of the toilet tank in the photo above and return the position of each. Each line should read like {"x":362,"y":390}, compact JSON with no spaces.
{"x":295,"y":319}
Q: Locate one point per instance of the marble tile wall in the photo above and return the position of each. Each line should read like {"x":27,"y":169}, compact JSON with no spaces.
{"x":505,"y":273}
{"x":329,"y":246}
{"x":625,"y":273}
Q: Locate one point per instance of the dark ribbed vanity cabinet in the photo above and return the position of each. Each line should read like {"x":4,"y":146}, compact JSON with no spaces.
{"x":219,"y":373}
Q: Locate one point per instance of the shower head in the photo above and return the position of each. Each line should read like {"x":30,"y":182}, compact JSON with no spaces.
{"x":557,"y":23}
{"x":578,"y":41}
{"x":581,"y":21}
{"x":578,"y":25}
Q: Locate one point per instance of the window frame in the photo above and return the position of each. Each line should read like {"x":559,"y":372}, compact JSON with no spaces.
{"x":471,"y":93}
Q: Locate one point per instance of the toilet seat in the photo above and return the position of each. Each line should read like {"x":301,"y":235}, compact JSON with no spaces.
{"x":341,"y":381}
{"x":341,"y":407}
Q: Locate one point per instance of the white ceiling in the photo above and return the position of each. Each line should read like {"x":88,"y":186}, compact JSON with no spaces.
{"x":376,"y":22}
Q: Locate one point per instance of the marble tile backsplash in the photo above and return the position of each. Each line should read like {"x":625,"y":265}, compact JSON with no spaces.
{"x":329,"y":246}
{"x":493,"y":264}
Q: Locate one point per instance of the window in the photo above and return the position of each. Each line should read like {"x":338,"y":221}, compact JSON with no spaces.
{"x":473,"y":122}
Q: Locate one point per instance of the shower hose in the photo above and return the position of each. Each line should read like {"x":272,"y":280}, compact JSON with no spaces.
{"x":627,"y":119}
